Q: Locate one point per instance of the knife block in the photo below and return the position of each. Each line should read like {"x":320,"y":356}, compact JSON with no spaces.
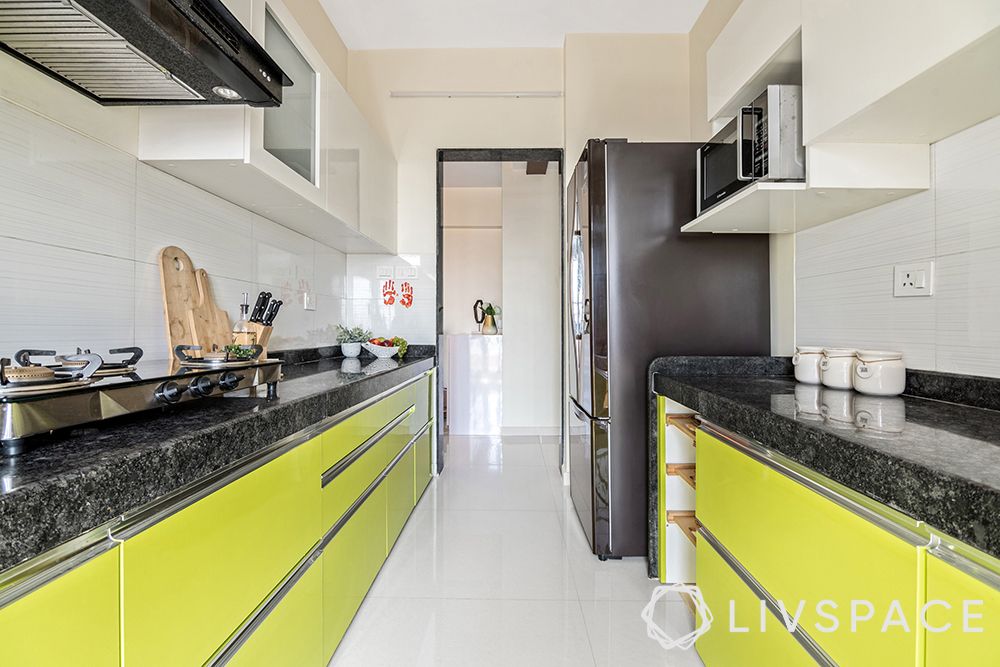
{"x":263,"y":336}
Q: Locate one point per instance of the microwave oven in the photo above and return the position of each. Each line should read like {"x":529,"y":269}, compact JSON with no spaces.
{"x":763,"y":143}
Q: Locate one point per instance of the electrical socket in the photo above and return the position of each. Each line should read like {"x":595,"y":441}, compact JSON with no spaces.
{"x":309,"y":301}
{"x":915,"y":279}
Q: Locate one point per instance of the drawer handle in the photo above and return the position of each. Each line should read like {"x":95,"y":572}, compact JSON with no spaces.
{"x":343,"y":464}
{"x":683,"y":470}
{"x":687,"y":522}
{"x":686,"y":424}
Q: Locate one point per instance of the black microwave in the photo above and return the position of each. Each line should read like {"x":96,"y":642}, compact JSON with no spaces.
{"x":763,"y":143}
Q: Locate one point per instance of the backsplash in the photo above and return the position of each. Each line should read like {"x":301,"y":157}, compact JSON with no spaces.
{"x":82,"y":224}
{"x":844,"y":269}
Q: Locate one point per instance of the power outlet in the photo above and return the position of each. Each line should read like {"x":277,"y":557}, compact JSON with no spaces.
{"x":309,"y":301}
{"x":913,"y":279}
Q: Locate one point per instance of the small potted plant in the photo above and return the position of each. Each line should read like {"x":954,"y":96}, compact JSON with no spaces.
{"x":350,"y":340}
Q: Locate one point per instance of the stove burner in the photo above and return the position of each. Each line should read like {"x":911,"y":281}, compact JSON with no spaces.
{"x":108,"y":368}
{"x":32,"y":378}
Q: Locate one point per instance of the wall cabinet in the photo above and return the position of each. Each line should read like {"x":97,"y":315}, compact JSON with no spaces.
{"x":313,"y":164}
{"x":72,"y":620}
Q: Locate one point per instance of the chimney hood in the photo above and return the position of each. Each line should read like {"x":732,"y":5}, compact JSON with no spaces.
{"x":132,"y":52}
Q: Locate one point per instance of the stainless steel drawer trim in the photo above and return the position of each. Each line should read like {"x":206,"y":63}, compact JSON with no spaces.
{"x":29,"y":576}
{"x":343,"y":464}
{"x":911,"y":531}
{"x":242,"y":635}
{"x":801,"y":636}
{"x":981,"y":569}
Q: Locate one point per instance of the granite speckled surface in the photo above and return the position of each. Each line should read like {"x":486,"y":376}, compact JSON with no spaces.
{"x":88,"y":476}
{"x":935,"y":461}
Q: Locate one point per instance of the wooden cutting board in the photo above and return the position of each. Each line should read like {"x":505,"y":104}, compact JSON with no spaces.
{"x":191,"y":314}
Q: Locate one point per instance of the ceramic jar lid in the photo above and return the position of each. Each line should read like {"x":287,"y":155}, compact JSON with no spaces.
{"x":879,"y":355}
{"x":808,"y":349}
{"x":839,"y":352}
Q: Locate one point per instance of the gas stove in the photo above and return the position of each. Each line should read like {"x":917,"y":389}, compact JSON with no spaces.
{"x":74,"y":389}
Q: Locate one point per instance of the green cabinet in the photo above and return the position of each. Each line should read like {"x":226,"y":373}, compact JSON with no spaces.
{"x":350,"y":563}
{"x":400,"y":498}
{"x":422,"y":470}
{"x":802,"y":546}
{"x":71,"y":620}
{"x":963,"y":615}
{"x":292,"y":634}
{"x":190,"y":580}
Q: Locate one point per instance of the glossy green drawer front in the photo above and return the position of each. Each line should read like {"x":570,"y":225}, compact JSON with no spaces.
{"x":422,"y":471}
{"x":955,"y":636}
{"x":735,"y":637}
{"x":293,"y":633}
{"x":350,"y":564}
{"x":72,"y":620}
{"x":401,"y":495}
{"x":804,"y":547}
{"x":191,"y":579}
{"x":341,"y":492}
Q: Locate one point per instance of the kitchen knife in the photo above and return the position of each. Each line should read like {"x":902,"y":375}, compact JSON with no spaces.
{"x":272,"y":312}
{"x":258,"y":309}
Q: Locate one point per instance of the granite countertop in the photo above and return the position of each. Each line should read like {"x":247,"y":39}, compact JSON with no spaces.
{"x":79,"y":480}
{"x":933,"y":460}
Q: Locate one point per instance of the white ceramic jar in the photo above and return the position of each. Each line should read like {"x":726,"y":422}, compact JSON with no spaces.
{"x":806,"y":361}
{"x":880,"y":373}
{"x":837,"y":367}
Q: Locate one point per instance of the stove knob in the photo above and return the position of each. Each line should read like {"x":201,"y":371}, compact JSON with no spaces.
{"x":169,"y":392}
{"x":229,"y":381}
{"x":201,"y":386}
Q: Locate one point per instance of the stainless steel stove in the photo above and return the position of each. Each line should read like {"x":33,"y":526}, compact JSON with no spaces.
{"x":74,"y":389}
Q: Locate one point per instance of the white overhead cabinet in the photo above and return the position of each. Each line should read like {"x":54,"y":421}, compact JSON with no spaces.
{"x":790,"y":42}
{"x":313,"y":164}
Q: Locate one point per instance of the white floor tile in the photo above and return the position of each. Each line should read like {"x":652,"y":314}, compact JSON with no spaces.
{"x":464,"y":451}
{"x":618,"y":634}
{"x":495,"y":488}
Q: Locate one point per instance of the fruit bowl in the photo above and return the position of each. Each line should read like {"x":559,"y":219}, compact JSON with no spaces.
{"x":380,"y":351}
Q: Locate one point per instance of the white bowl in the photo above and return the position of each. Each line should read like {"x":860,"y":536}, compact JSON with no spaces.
{"x":381,"y":352}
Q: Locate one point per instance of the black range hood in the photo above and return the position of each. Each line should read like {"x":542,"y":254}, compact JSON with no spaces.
{"x":132,"y":52}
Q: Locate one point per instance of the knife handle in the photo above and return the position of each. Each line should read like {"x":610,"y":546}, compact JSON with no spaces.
{"x":258,"y":309}
{"x":272,"y":312}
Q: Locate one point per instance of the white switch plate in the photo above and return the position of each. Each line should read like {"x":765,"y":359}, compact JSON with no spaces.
{"x":913,"y":279}
{"x":406,"y":272}
{"x":384,"y":271}
{"x":309,"y":300}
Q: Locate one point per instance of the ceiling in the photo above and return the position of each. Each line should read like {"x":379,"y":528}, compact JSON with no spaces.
{"x":406,"y":24}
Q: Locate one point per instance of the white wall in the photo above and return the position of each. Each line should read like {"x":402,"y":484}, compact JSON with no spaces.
{"x":82,"y":223}
{"x":473,"y":254}
{"x":531,"y":310}
{"x":844,"y":268}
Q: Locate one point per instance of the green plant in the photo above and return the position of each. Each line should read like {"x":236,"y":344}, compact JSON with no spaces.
{"x":352,"y":334}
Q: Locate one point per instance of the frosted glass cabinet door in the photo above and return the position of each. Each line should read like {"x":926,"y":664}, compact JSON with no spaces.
{"x":290,"y":130}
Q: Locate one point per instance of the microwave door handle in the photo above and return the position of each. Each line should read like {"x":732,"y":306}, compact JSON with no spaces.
{"x":740,"y":167}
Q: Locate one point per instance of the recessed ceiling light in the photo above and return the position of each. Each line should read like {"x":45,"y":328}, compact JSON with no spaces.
{"x":227,"y":93}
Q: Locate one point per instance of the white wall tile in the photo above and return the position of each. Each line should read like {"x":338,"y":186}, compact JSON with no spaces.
{"x":215,"y":233}
{"x":968,"y":320}
{"x":61,"y":188}
{"x":61,"y":299}
{"x":331,"y":271}
{"x":329,"y":313}
{"x":294,"y":326}
{"x":283,"y":257}
{"x":856,"y":309}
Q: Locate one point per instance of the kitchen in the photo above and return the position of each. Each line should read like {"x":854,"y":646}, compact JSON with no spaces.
{"x":301,"y":506}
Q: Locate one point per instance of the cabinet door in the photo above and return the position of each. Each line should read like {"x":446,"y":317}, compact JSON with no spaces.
{"x":293,"y":633}
{"x":190,"y":580}
{"x":952,"y":594}
{"x":802,"y":546}
{"x":422,"y":463}
{"x":400,"y":489}
{"x":735,"y":607}
{"x":72,"y":620}
{"x":350,"y":564}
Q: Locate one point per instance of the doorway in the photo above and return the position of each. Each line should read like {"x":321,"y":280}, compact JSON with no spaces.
{"x":500,"y":266}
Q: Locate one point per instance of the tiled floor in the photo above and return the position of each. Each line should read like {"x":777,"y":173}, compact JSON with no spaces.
{"x":494,"y":569}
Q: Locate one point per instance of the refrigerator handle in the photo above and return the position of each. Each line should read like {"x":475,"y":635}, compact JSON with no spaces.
{"x":586,"y":316}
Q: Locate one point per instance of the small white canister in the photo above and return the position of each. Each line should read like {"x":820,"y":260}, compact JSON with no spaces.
{"x":806,"y":361}
{"x":837,"y":367}
{"x":880,"y":373}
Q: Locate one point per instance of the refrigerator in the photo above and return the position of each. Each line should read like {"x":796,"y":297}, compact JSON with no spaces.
{"x":639,"y":289}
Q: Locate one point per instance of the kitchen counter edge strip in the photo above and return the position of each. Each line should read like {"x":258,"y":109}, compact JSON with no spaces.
{"x":242,"y":635}
{"x":912,"y":531}
{"x":34,"y":573}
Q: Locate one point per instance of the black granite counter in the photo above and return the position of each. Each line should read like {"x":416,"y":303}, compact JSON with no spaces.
{"x":86,"y":477}
{"x":935,"y":461}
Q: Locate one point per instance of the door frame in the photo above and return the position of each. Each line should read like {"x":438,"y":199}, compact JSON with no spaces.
{"x":499,"y":155}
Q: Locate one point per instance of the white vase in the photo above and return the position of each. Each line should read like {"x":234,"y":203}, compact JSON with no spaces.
{"x":350,"y":350}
